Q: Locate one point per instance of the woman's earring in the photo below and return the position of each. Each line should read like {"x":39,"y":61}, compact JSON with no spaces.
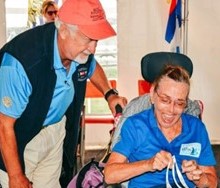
{"x":151,"y":101}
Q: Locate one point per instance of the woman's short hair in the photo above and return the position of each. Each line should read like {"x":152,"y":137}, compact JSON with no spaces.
{"x":176,"y":73}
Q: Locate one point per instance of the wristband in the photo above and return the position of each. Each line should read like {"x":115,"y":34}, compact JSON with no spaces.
{"x":110,"y":92}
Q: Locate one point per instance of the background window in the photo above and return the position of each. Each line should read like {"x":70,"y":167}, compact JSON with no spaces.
{"x":106,"y":55}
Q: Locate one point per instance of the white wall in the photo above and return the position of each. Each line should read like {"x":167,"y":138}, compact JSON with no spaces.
{"x":140,"y":31}
{"x":204,"y":41}
{"x":97,"y":136}
{"x":141,"y":28}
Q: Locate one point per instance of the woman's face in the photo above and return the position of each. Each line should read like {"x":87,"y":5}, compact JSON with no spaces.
{"x":169,"y":100}
{"x":50,"y":14}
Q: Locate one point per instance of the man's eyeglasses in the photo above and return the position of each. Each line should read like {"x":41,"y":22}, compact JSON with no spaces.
{"x":50,"y":12}
{"x":166,"y":100}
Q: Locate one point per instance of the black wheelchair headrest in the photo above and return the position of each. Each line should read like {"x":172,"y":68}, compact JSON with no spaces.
{"x":152,"y":64}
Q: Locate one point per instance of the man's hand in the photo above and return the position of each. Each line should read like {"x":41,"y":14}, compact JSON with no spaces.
{"x":113,"y":100}
{"x":19,"y":181}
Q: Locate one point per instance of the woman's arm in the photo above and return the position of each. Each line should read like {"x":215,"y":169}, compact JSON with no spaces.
{"x":118,"y":169}
{"x":202,"y":176}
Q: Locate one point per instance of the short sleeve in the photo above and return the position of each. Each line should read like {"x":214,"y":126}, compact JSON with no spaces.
{"x":15,"y":87}
{"x":126,"y":142}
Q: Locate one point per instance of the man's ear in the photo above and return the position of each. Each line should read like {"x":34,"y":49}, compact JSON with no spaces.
{"x":152,"y":93}
{"x":63,"y":31}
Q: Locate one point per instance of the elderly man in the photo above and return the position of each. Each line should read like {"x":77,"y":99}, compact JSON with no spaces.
{"x":42,"y":88}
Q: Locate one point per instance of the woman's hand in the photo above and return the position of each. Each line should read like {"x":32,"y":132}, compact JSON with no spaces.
{"x":161,"y":160}
{"x":192,"y":170}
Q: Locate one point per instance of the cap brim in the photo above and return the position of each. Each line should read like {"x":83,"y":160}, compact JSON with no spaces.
{"x":98,"y":31}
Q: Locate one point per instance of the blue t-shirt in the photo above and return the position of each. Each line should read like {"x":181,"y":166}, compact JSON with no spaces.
{"x":141,"y":139}
{"x":16,"y":88}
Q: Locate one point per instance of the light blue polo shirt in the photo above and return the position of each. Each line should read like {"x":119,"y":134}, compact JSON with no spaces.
{"x":15,"y":87}
{"x":141,"y":139}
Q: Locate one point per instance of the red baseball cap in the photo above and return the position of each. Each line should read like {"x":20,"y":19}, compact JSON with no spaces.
{"x":89,"y":16}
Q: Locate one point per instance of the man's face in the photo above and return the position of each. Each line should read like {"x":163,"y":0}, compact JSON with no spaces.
{"x":170,"y":100}
{"x":77,"y":46}
{"x":82,"y":57}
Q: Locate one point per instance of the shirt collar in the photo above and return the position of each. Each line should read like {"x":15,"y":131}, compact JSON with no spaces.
{"x":57,"y":61}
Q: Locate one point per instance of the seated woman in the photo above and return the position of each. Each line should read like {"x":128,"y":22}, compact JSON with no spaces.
{"x":152,"y":141}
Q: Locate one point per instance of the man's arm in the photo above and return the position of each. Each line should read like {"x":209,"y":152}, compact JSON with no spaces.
{"x":9,"y":152}
{"x":100,"y":80}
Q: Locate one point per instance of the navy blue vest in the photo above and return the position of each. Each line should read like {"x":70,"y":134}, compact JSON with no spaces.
{"x":34,"y":50}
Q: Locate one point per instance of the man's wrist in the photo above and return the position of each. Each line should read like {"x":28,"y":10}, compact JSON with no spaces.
{"x":110,"y":92}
